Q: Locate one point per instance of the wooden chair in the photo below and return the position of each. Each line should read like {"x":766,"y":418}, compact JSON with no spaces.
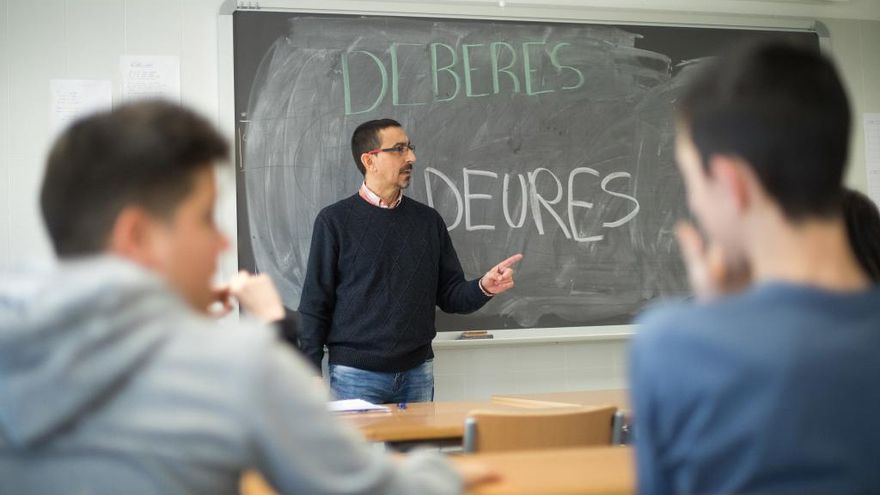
{"x":494,"y":431}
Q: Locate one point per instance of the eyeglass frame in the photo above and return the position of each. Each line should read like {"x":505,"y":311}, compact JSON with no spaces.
{"x":398,"y":148}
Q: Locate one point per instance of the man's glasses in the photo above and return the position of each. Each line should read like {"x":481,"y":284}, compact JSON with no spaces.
{"x":399,"y":149}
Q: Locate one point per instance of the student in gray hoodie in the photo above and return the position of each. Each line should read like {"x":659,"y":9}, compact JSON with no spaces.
{"x":112,"y":377}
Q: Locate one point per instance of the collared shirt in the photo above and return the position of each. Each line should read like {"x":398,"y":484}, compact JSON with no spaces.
{"x":374,"y":199}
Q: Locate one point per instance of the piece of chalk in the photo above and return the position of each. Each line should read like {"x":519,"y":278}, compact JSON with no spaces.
{"x":475,"y":334}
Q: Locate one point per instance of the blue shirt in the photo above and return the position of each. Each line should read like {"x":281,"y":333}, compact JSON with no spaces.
{"x":771,"y":391}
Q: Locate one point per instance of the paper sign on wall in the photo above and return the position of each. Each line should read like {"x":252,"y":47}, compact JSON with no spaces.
{"x":872,"y":154}
{"x":70,"y":99}
{"x":150,"y":77}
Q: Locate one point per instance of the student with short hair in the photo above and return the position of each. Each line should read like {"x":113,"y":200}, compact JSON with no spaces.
{"x":114,"y":380}
{"x":767,"y":387}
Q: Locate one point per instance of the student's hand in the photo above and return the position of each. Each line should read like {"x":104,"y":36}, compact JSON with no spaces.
{"x":256,"y":294}
{"x":474,"y":472}
{"x":500,"y":277}
{"x":711,"y":273}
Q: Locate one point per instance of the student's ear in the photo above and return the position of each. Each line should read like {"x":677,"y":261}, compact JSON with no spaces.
{"x":733,"y":176}
{"x":135,"y":236}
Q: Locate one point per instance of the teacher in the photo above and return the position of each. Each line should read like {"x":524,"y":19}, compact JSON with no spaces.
{"x":379,"y":263}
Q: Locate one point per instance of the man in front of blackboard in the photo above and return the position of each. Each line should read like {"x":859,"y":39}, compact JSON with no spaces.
{"x":767,"y":386}
{"x":379,"y":263}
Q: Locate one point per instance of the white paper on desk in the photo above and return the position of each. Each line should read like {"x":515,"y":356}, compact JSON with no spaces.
{"x":872,"y":154}
{"x":354,"y":405}
{"x":150,"y":77}
{"x":70,"y":99}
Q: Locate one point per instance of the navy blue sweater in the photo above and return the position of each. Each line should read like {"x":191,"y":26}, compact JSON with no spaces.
{"x":373,"y":280}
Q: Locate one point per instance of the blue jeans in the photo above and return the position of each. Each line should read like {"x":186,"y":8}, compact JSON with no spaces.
{"x":414,"y":385}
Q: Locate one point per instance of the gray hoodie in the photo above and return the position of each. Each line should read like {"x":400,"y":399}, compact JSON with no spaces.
{"x":109,"y":384}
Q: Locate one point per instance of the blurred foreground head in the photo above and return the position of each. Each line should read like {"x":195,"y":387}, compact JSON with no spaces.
{"x":138,"y":182}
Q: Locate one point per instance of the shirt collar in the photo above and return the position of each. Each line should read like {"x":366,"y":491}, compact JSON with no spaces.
{"x":374,"y":199}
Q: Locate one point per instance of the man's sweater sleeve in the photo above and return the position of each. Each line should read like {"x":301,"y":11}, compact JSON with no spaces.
{"x":318,"y":298}
{"x":289,"y":327}
{"x":454,"y":293}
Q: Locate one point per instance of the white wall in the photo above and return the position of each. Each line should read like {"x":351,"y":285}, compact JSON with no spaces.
{"x":82,"y":39}
{"x":523,"y":361}
{"x":42,"y":40}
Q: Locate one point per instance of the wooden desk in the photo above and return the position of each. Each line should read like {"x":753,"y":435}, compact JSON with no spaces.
{"x":428,"y":420}
{"x":612,"y":397}
{"x":578,"y":471}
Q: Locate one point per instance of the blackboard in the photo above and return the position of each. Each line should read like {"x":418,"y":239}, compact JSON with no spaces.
{"x":550,"y":139}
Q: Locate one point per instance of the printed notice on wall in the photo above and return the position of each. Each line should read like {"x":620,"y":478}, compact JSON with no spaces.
{"x":70,"y":99}
{"x":150,"y":77}
{"x":872,"y":154}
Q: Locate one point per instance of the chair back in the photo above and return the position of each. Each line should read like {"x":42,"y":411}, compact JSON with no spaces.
{"x":495,"y":431}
